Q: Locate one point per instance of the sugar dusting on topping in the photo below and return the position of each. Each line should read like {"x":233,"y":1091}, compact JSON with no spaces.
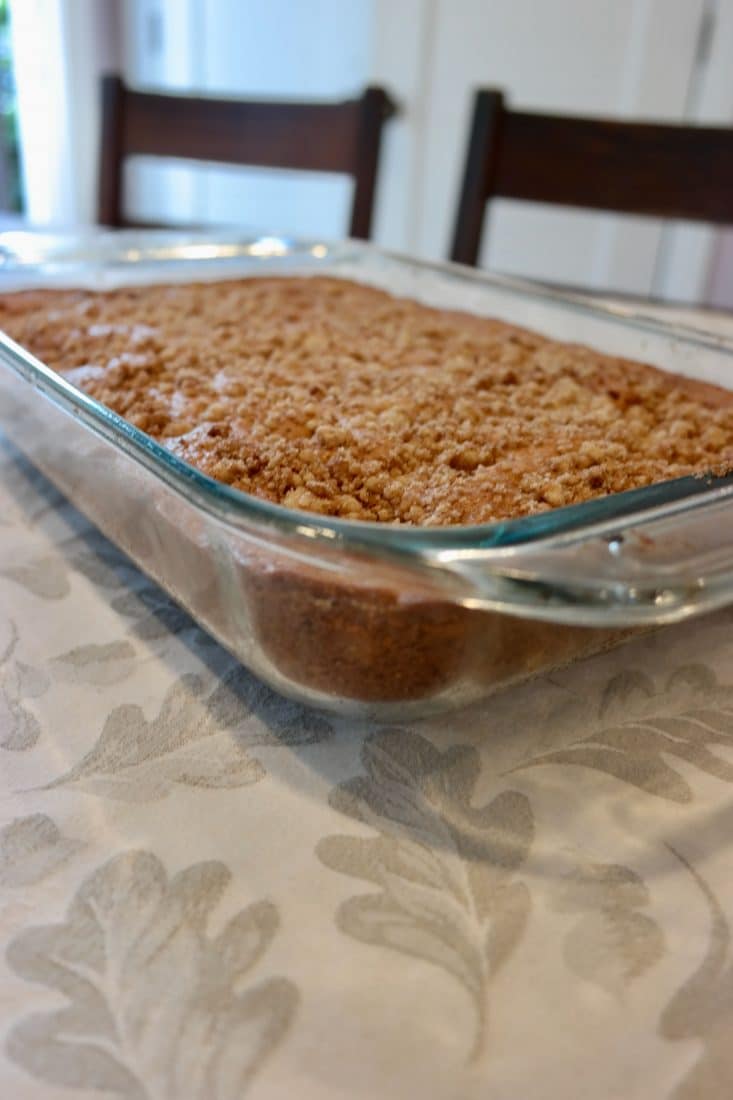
{"x":340,"y":399}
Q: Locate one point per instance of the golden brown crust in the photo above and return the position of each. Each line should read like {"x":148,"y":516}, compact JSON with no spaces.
{"x":322,"y":394}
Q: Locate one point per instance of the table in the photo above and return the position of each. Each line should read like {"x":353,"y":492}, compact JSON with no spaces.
{"x":209,"y":891}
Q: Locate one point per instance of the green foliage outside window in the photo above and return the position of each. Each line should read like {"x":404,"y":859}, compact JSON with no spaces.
{"x":8,"y":115}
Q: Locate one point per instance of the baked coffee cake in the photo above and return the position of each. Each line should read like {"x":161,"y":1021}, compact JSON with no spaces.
{"x":337,"y":398}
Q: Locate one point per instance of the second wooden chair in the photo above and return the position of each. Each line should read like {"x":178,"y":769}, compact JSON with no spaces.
{"x":661,"y":170}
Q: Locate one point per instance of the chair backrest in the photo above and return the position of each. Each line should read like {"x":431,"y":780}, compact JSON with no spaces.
{"x":327,"y":137}
{"x":630,"y":167}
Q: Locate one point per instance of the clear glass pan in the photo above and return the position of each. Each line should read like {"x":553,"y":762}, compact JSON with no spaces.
{"x":372,"y":618}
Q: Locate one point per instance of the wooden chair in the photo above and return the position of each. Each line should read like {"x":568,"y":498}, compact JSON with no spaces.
{"x":326,"y":137}
{"x":630,"y":167}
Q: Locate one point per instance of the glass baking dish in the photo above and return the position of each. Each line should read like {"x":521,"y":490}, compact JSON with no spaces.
{"x":372,"y":619}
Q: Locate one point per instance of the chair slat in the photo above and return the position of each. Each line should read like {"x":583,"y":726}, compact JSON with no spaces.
{"x":668,"y":171}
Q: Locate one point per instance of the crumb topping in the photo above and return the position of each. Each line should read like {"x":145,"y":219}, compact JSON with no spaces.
{"x":337,"y":398}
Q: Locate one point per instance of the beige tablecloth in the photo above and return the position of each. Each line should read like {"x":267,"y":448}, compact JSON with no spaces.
{"x":207,"y":891}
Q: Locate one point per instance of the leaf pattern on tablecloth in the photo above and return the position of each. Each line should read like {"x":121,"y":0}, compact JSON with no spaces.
{"x":106,"y":663}
{"x":612,"y":943}
{"x":702,"y":1008}
{"x":446,"y":870}
{"x":157,"y":1008}
{"x":641,"y":750}
{"x":27,"y":488}
{"x":19,"y":682}
{"x":46,"y":577}
{"x":199,"y":738}
{"x":152,"y":615}
{"x":623,"y":690}
{"x":31,"y":848}
{"x":632,"y":690}
{"x":86,"y":552}
{"x":99,"y":560}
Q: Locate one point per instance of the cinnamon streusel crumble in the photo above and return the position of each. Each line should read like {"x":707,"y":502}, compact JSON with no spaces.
{"x":340,"y":399}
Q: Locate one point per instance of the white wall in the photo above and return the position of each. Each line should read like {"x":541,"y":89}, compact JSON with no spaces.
{"x":616,"y":57}
{"x":60,"y":49}
{"x":159,"y":51}
{"x":621,"y":58}
{"x":630,"y":57}
{"x":693,"y":263}
{"x":267,"y":48}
